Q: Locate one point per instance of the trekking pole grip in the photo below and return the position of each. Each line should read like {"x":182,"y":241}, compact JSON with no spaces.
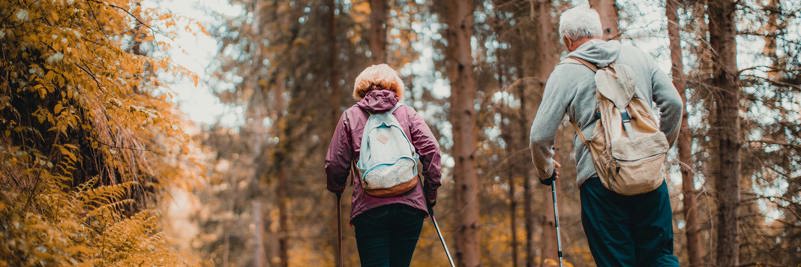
{"x":550,"y":180}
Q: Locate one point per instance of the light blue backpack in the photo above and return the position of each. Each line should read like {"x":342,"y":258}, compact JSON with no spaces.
{"x":388,"y":162}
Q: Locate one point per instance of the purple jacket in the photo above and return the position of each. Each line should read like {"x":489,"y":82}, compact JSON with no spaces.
{"x":347,"y":138}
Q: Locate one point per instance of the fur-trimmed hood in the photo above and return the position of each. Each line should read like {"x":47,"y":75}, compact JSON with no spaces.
{"x":381,"y":76}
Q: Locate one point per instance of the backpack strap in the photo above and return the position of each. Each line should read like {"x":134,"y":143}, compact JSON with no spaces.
{"x":597,"y":114}
{"x":355,"y":175}
{"x":398,"y":105}
{"x":581,"y":61}
{"x":580,"y":134}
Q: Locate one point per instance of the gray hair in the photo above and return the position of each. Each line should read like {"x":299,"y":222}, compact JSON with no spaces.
{"x":579,"y":22}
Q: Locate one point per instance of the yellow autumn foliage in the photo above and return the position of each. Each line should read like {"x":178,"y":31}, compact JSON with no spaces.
{"x":87,"y":142}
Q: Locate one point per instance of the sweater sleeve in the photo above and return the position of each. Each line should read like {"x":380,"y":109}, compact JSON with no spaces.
{"x":559,"y":92}
{"x":668,"y":101}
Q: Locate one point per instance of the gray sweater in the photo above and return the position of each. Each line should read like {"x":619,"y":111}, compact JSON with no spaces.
{"x":571,"y":90}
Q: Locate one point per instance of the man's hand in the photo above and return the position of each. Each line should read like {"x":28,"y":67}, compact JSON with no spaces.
{"x":554,"y":176}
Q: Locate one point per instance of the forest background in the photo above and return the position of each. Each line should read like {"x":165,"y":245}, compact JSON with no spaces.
{"x":189,"y":132}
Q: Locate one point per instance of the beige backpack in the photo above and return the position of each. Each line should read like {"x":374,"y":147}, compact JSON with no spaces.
{"x":627,"y":148}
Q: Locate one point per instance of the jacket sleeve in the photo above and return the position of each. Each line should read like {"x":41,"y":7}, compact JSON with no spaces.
{"x":559,"y":92}
{"x":428,"y":148}
{"x":668,"y":101}
{"x":339,"y":156}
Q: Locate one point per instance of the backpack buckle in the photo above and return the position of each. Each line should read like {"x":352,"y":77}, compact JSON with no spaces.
{"x":625,"y":116}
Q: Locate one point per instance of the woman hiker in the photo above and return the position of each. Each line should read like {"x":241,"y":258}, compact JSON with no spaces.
{"x":389,"y":201}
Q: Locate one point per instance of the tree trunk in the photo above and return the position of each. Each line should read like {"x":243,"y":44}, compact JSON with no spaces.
{"x":722,"y":37}
{"x":138,"y":31}
{"x":459,"y":64}
{"x":524,"y":169}
{"x":378,"y":30}
{"x":283,"y":222}
{"x":268,"y":244}
{"x":692,"y":227}
{"x":538,"y":66}
{"x":528,"y":220}
{"x":609,"y":19}
{"x":772,"y":30}
{"x":333,"y":64}
{"x":280,"y":160}
{"x":335,"y":94}
{"x":507,"y":134}
{"x":226,"y":257}
{"x":512,"y":218}
{"x":259,"y":258}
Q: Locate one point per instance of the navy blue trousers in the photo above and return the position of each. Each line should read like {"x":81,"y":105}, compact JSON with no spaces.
{"x":627,"y":230}
{"x":386,"y":236}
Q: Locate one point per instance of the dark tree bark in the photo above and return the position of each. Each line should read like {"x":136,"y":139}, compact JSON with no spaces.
{"x":546,"y":58}
{"x":335,"y":96}
{"x":528,"y":196}
{"x":280,"y":160}
{"x":459,"y":63}
{"x":772,"y":29}
{"x":512,"y":217}
{"x":259,"y":258}
{"x":283,"y":219}
{"x":539,"y":55}
{"x":722,"y":38}
{"x":507,"y":134}
{"x":378,"y":30}
{"x":609,"y":18}
{"x":283,"y":207}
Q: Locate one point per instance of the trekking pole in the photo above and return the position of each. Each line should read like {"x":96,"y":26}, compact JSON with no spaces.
{"x":441,"y":239}
{"x":436,"y":227}
{"x":339,"y":231}
{"x":556,"y":222}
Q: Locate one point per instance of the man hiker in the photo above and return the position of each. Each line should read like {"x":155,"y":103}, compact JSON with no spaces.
{"x":609,"y":91}
{"x":384,"y":145}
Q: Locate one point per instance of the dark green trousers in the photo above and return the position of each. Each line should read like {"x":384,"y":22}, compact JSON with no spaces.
{"x":386,"y":236}
{"x":627,"y":230}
